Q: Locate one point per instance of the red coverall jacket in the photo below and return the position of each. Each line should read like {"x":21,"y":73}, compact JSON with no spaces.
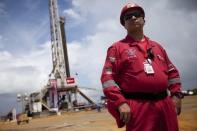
{"x":124,"y":70}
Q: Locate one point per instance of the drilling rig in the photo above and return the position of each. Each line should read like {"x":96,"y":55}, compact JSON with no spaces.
{"x":61,"y":88}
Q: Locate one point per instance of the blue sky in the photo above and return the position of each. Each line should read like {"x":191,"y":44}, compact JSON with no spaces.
{"x":91,"y":27}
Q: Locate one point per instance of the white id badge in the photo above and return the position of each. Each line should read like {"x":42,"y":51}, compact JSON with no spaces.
{"x":148,"y":68}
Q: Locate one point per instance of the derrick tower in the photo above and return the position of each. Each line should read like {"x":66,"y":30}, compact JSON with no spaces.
{"x":57,"y":48}
{"x":61,"y":87}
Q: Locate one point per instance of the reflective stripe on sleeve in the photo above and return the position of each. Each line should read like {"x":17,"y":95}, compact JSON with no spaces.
{"x":112,"y":59}
{"x":108,"y":71}
{"x":171,"y":69}
{"x":170,"y":66}
{"x":109,"y":83}
{"x":173,"y":81}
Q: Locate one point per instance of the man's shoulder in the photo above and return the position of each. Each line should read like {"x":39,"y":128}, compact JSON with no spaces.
{"x":118,"y":43}
{"x":155,"y":43}
{"x":117,"y":46}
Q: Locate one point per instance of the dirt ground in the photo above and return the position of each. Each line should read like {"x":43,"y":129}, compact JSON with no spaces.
{"x":97,"y":121}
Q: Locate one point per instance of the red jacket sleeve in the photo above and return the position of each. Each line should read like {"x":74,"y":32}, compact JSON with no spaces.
{"x":174,"y":82}
{"x":110,"y":84}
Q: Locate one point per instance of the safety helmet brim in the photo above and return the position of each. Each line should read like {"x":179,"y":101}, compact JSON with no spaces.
{"x":129,"y":7}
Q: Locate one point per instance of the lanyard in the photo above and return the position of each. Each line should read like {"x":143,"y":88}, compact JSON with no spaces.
{"x":143,"y":47}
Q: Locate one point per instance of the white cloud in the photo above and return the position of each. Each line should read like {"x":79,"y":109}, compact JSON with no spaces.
{"x":73,"y":17}
{"x":25,"y":73}
{"x":1,"y":42}
{"x":71,"y":13}
{"x":3,"y":12}
{"x":4,"y":55}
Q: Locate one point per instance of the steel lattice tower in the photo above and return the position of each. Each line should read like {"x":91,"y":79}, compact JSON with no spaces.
{"x":59,"y":67}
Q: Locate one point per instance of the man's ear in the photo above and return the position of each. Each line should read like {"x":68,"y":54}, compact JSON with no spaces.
{"x":144,"y":21}
{"x":125,"y":26}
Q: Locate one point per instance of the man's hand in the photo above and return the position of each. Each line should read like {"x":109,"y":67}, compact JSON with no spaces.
{"x":178,"y":104}
{"x":125,"y":112}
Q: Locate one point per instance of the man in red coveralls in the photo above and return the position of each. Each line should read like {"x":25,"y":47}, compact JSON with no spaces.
{"x":142,"y":86}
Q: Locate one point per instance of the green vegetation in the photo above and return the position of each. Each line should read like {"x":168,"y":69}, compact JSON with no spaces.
{"x":195,"y":91}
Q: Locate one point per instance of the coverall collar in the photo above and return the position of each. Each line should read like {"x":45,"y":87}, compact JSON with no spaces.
{"x":132,"y":42}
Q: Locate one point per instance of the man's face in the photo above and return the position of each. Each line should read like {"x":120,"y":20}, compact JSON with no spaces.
{"x":134,"y":20}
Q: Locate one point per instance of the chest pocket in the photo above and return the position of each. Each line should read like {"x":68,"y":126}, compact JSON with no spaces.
{"x":161,"y":62}
{"x":134,"y":65}
{"x":131,"y":61}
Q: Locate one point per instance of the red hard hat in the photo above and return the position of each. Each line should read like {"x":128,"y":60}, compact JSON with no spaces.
{"x":130,"y":6}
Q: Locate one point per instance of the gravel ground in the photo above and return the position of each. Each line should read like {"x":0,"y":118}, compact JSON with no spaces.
{"x":97,"y":121}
